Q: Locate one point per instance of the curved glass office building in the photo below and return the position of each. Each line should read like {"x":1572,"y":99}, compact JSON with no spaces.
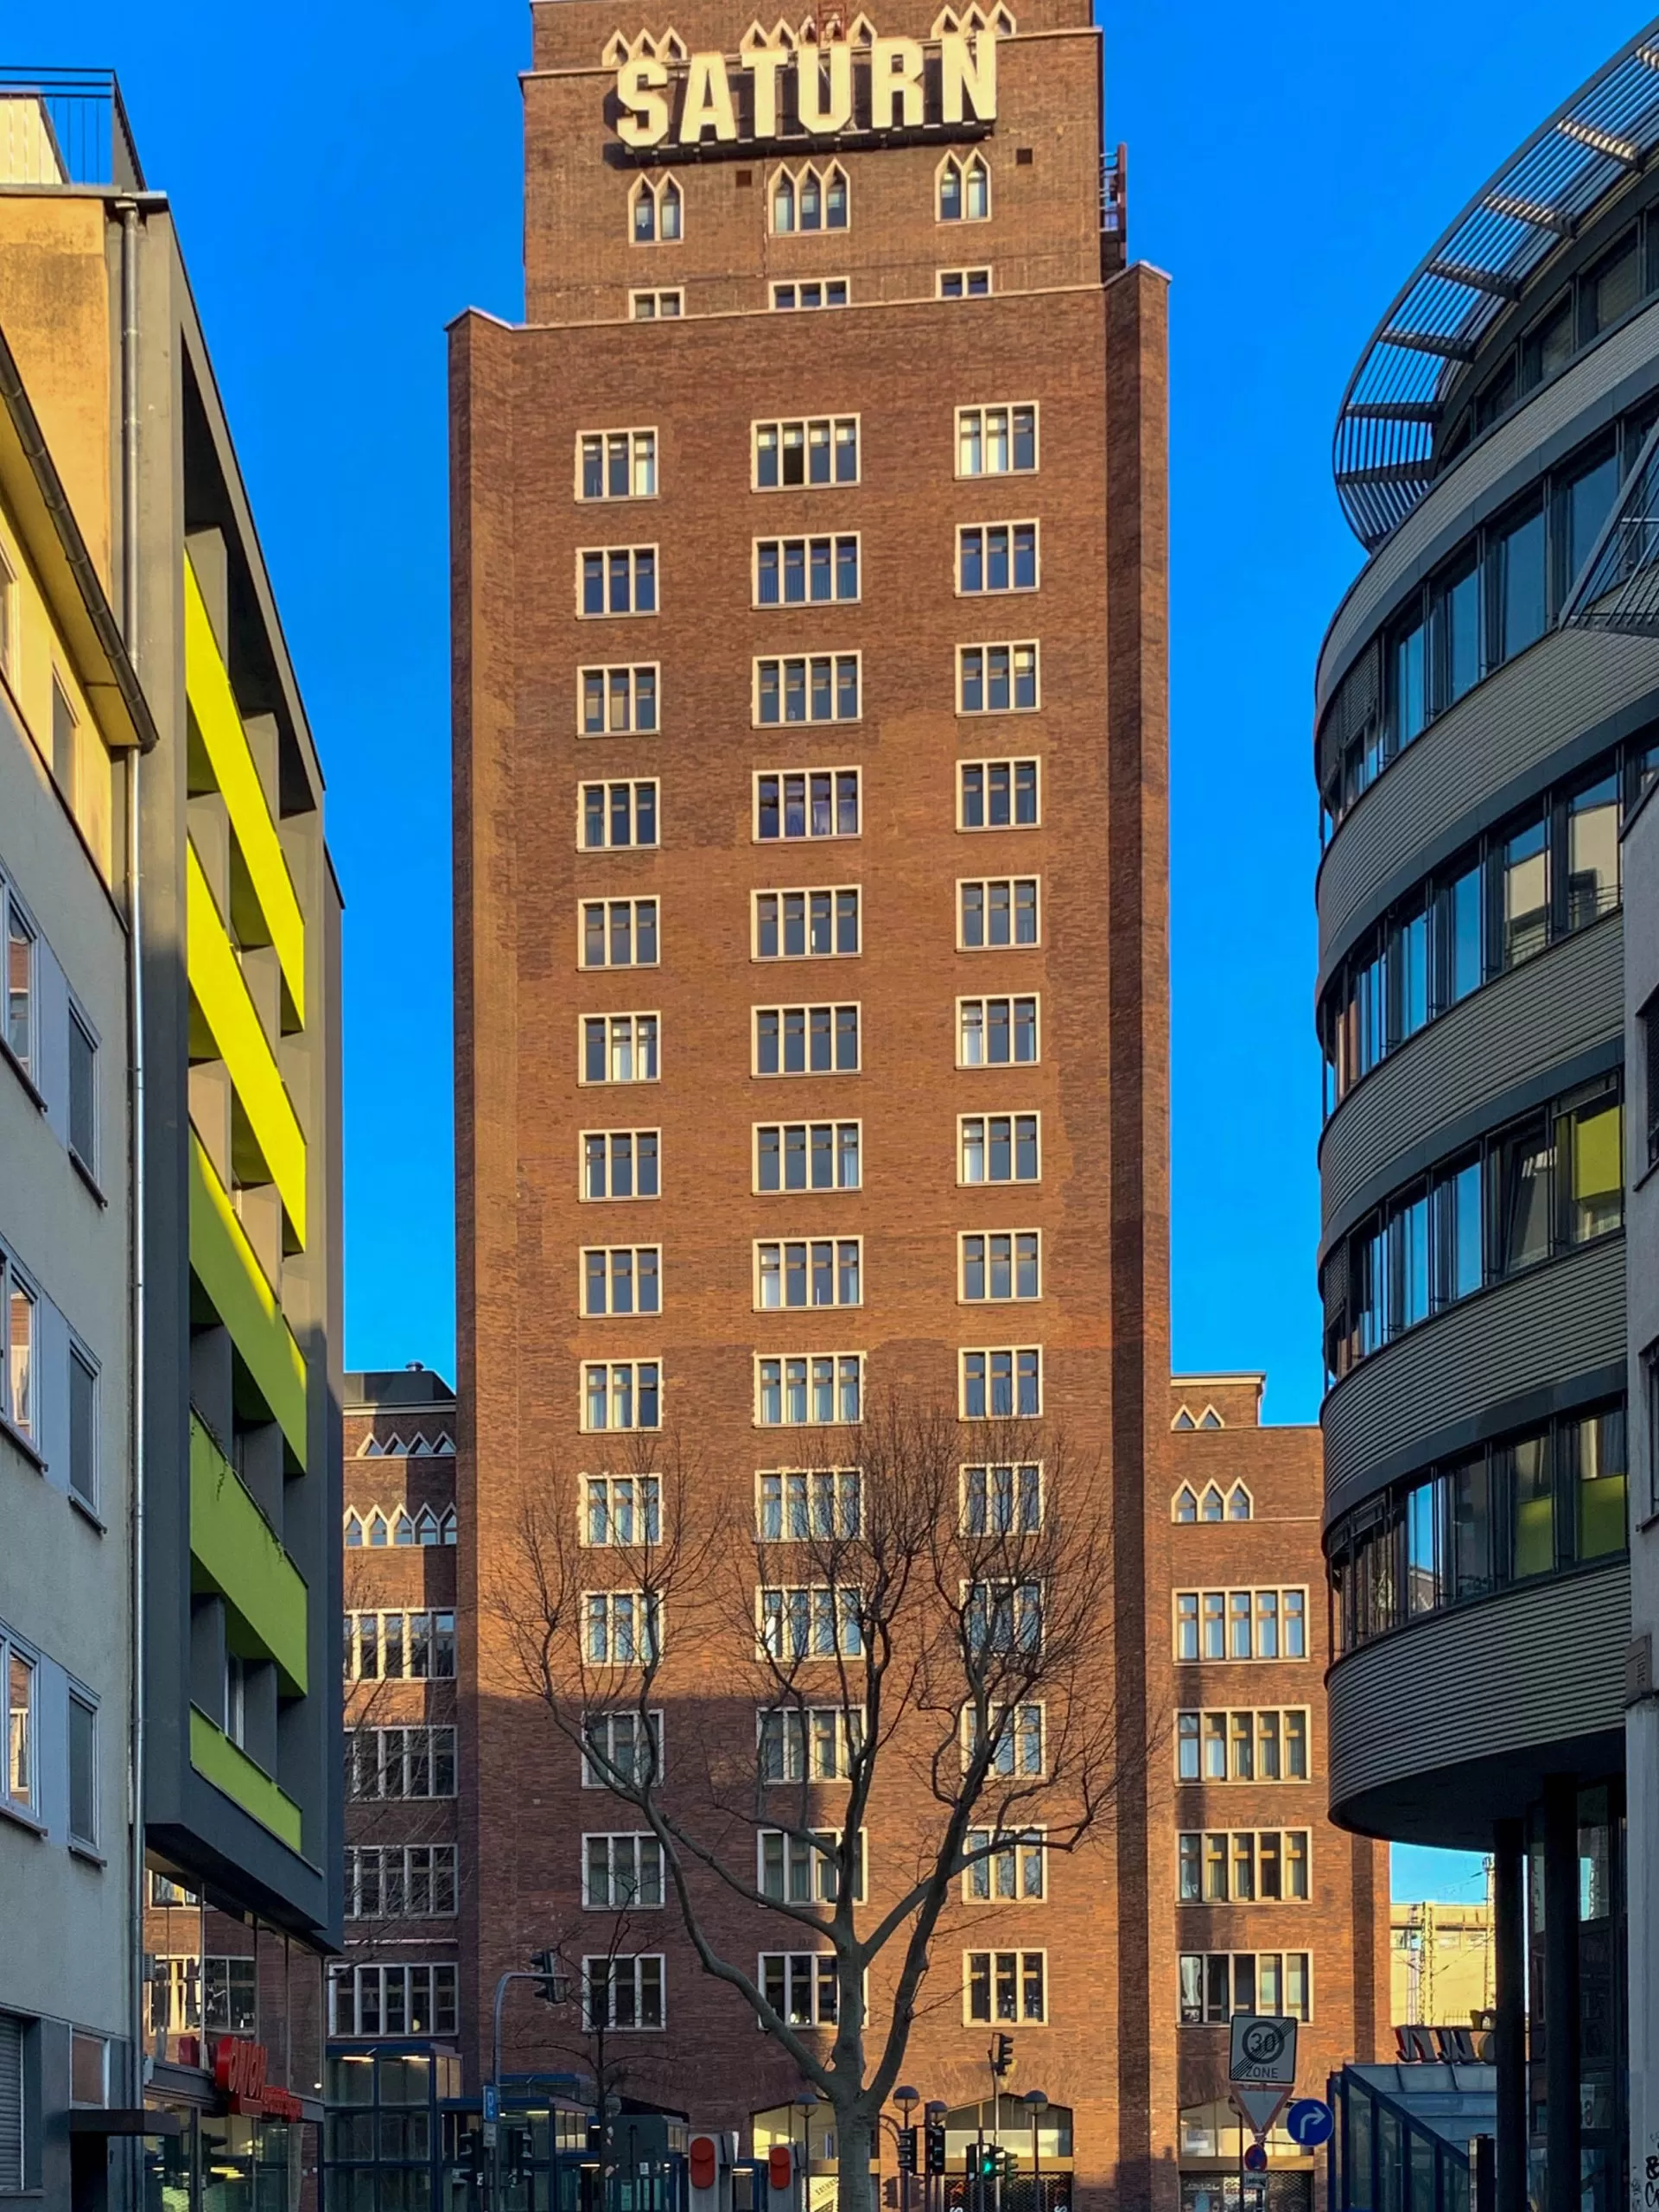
{"x":1488,"y":711}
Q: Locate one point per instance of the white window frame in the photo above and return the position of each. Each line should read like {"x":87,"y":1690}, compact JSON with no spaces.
{"x":642,"y":1840}
{"x":820,"y":2017}
{"x":985,"y":1000}
{"x":800,"y":1738}
{"x":811,"y":836}
{"x":1014,"y":1845}
{"x":348,"y":1980}
{"x":847,"y":1635}
{"x":606,"y":1720}
{"x":15,"y":916}
{"x":1010,"y":761}
{"x":824,"y":1844}
{"x":609,"y":966}
{"x":808,"y":1190}
{"x":635,"y":1015}
{"x":782,"y":422}
{"x":965,"y":278}
{"x":833,"y":1479}
{"x":609,"y":1963}
{"x":989,"y":1352}
{"x":983,"y":884}
{"x":1228,"y":1840}
{"x":998,"y":1182}
{"x":611,"y":1199}
{"x":1007,"y":590}
{"x":652,"y":188}
{"x":1201,"y":1735}
{"x":617,"y":1428}
{"x":1012,"y":407}
{"x":782,"y":1359}
{"x":779,"y":1245}
{"x":18,"y":1291}
{"x":633,"y":669}
{"x":962,"y":163}
{"x":780,"y":661}
{"x":1019,"y":2019}
{"x":1307,"y":2016}
{"x":795,"y":177}
{"x":657,"y":294}
{"x":1014,"y":1297}
{"x":635,"y":786}
{"x":26,"y":1802}
{"x":833,"y":892}
{"x":1003,"y":1768}
{"x":1255,"y":1591}
{"x":647,"y":1628}
{"x":808,"y":1007}
{"x":805,"y":538}
{"x":434,"y":1616}
{"x":609,"y":1312}
{"x":630,"y":431}
{"x":606,"y":553}
{"x":1009,"y":645}
{"x":1017,"y":1468}
{"x":799,"y":284}
{"x":392,"y":1854}
{"x":647,"y":1508}
{"x":408,"y":1760}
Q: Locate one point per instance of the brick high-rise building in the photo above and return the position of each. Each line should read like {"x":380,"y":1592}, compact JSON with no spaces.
{"x":810,"y":873}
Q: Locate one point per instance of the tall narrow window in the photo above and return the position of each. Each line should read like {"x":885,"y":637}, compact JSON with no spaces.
{"x":83,"y":1771}
{"x":65,"y":741}
{"x":20,"y":983}
{"x":83,"y":1427}
{"x":83,"y":1094}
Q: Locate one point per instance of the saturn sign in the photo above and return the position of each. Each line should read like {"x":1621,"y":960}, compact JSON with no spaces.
{"x":776,"y":95}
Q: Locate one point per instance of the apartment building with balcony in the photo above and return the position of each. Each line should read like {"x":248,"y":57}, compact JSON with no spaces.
{"x":233,"y":916}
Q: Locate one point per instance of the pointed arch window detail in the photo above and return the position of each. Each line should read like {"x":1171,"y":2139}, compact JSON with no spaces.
{"x":809,"y":198}
{"x":1186,"y":1507}
{"x":964,"y":189}
{"x":658,"y":212}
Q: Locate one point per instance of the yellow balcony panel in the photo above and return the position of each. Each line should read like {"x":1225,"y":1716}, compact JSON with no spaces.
{"x":264,"y":866}
{"x":270,"y":1144}
{"x":219,"y":1761}
{"x":235,"y":1551}
{"x":222,"y":1261}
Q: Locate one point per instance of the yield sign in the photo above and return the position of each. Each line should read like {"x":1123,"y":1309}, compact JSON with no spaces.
{"x":1260,"y":2107}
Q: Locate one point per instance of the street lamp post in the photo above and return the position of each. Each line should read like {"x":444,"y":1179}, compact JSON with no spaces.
{"x":1036,"y":2103}
{"x":906,"y":2099}
{"x":935,"y":2112}
{"x":556,"y":1987}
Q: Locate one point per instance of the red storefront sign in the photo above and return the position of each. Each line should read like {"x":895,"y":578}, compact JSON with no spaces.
{"x":240,"y":2071}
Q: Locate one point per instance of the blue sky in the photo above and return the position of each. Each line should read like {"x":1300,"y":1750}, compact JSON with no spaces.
{"x":346,"y":179}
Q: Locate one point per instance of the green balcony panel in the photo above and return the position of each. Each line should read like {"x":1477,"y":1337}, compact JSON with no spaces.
{"x":222,"y":1261}
{"x":235,"y":1547}
{"x":218,"y":1760}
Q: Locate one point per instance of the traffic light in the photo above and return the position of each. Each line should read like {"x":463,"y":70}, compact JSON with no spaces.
{"x":545,"y":1963}
{"x":515,"y":2151}
{"x":475,"y":2158}
{"x":981,"y":2161}
{"x":933,"y":2148}
{"x":906,"y":2150}
{"x":1001,"y":2055}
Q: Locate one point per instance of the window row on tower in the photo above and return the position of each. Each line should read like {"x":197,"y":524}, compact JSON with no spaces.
{"x":791,"y":1156}
{"x":994,"y":913}
{"x":799,"y":805}
{"x":807,"y":197}
{"x":615,"y":581}
{"x":815,"y":1389}
{"x":820,"y":1039}
{"x":999,"y":438}
{"x":801,"y":1273}
{"x":998,"y":676}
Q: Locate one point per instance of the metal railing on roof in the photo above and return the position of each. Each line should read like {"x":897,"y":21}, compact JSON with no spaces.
{"x":66,"y":126}
{"x":1383,"y":451}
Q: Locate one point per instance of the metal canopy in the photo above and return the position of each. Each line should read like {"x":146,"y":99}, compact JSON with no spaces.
{"x":1383,"y":452}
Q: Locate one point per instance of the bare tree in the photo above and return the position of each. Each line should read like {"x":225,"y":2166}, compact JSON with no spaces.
{"x":930,"y":1627}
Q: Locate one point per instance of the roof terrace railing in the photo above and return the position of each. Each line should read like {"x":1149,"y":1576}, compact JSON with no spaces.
{"x":1394,"y":404}
{"x":66,"y":126}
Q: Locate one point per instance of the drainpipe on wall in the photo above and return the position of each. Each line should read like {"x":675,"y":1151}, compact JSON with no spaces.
{"x":129,"y":214}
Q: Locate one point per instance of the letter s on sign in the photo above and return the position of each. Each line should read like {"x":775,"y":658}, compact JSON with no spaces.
{"x":643,"y":120}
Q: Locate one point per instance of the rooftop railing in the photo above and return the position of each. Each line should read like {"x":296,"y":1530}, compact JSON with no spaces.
{"x":66,"y":126}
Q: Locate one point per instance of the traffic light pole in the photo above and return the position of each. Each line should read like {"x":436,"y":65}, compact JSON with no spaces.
{"x":493,"y":2129}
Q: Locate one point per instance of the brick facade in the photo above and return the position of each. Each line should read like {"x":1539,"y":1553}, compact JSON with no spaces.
{"x":1070,"y":331}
